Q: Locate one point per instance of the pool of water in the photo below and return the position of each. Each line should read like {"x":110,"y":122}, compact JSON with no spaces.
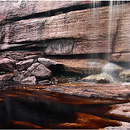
{"x":36,"y":108}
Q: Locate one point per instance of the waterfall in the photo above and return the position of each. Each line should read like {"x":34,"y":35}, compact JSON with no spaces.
{"x":111,"y":14}
{"x":112,"y":70}
{"x":95,"y":18}
{"x":114,"y":9}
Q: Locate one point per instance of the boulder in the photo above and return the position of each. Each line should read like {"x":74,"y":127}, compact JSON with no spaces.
{"x":23,"y":65}
{"x":38,"y":70}
{"x":7,"y":65}
{"x":125,"y":76}
{"x":47,"y":62}
{"x":103,"y":78}
{"x":19,"y":76}
{"x":29,"y":80}
{"x":31,"y":68}
{"x":8,"y":76}
{"x":90,"y":78}
{"x":98,"y":78}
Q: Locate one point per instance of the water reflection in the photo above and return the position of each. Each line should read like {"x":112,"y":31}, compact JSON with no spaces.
{"x":34,"y":109}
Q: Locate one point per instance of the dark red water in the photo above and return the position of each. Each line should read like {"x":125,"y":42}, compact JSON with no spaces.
{"x":22,"y":108}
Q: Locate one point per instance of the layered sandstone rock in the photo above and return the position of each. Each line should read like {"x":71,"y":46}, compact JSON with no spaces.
{"x":65,"y":28}
{"x":25,"y":8}
{"x":82,"y":66}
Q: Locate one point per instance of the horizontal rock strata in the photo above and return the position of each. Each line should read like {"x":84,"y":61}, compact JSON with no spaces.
{"x":117,"y":92}
{"x":65,"y":31}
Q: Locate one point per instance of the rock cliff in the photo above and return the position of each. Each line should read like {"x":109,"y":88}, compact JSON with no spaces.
{"x":66,"y":27}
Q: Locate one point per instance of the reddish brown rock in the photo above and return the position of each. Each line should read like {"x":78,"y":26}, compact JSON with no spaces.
{"x":86,"y":31}
{"x":110,"y":91}
{"x":29,"y":80}
{"x":38,"y":70}
{"x":8,"y":76}
{"x":82,"y":66}
{"x":19,"y":76}
{"x":74,"y":32}
{"x":120,"y":57}
{"x":123,"y":29}
{"x":47,"y":62}
{"x":7,"y":65}
{"x":22,"y":55}
{"x":5,"y":6}
{"x":23,"y":8}
{"x":23,"y":65}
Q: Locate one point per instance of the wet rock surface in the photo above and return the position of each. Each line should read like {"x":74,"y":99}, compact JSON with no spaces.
{"x":121,"y":111}
{"x":125,"y":76}
{"x":111,"y":91}
{"x":90,"y":78}
{"x":99,"y":78}
{"x":103,"y":78}
{"x":112,"y":70}
{"x":124,"y":126}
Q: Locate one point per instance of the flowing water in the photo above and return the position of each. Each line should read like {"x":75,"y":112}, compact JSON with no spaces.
{"x":112,"y":70}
